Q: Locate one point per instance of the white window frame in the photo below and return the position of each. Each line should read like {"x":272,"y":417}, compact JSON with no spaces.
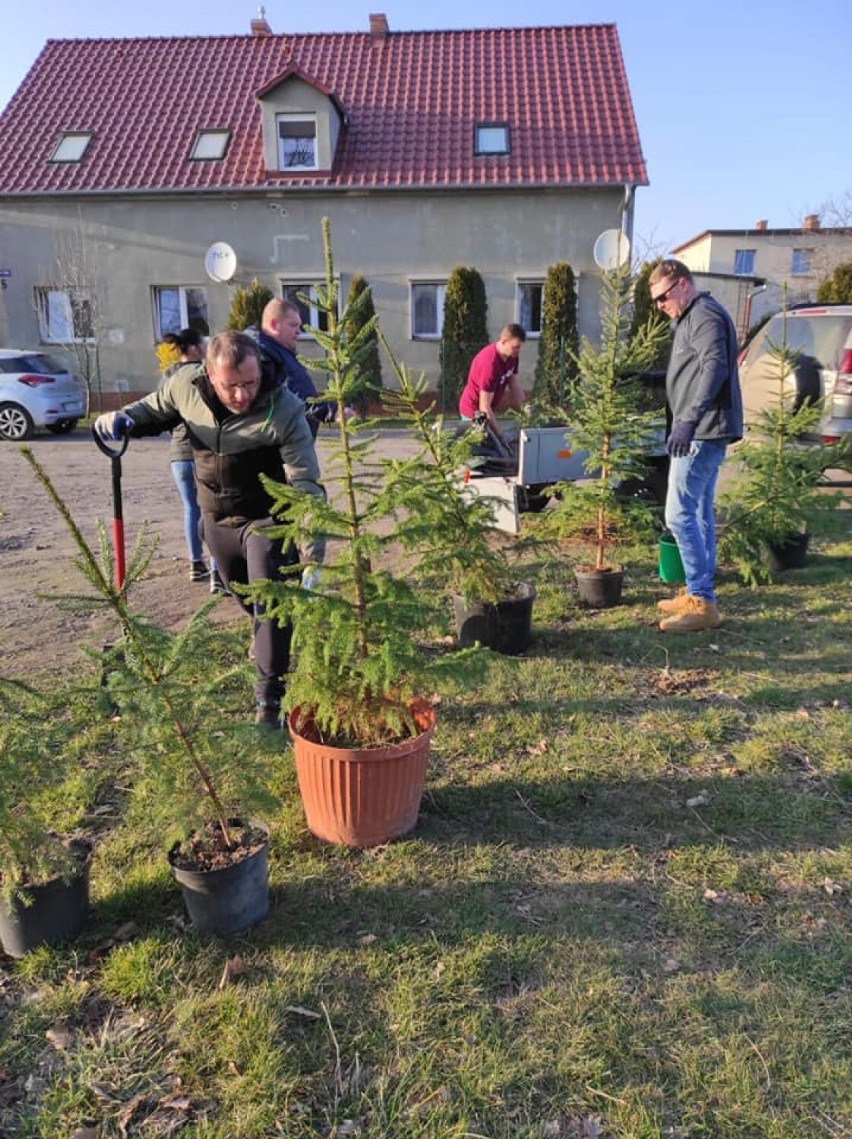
{"x":522,"y":283}
{"x":210,"y":144}
{"x":183,"y":304}
{"x":311,"y":315}
{"x":60,"y":315}
{"x":71,"y":146}
{"x":440,"y":288}
{"x":801,"y":263}
{"x":491,"y":138}
{"x":307,"y":117}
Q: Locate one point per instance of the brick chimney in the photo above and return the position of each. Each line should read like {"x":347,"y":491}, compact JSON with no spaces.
{"x":378,"y":28}
{"x":811,"y":223}
{"x":761,"y":225}
{"x":259,"y":26}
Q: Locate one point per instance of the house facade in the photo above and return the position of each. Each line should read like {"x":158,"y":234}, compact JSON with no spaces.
{"x":747,"y":269}
{"x":125,"y":161}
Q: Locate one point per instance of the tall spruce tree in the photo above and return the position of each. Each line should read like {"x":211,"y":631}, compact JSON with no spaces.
{"x":555,"y":371}
{"x":465,"y":330}
{"x":247,"y":305}
{"x":361,"y":334}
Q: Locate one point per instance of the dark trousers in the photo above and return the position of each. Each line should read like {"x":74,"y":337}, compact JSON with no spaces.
{"x":244,"y":554}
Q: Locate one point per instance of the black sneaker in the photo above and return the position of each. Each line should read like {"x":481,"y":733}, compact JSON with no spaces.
{"x":198,"y":571}
{"x":216,"y":583}
{"x":268,"y":716}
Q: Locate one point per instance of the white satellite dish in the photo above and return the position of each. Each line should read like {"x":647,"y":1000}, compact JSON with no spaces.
{"x":220,"y":262}
{"x":611,"y":249}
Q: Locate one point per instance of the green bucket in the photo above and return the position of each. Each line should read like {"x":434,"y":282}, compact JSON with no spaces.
{"x":671,"y":567}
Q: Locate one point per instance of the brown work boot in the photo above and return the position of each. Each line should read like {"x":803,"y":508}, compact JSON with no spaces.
{"x":674,"y":604}
{"x":696,"y":614}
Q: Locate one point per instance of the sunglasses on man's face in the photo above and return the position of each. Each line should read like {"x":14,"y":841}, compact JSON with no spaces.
{"x":661,"y":298}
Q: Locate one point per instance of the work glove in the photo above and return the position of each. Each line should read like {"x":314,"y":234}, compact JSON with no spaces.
{"x":113,"y":425}
{"x":310,"y":578}
{"x":680,"y":439}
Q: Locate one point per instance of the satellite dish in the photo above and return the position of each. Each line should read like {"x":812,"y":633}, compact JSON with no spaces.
{"x":220,"y":262}
{"x":611,"y":249}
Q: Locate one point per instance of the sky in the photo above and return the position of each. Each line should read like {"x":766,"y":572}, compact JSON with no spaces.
{"x":742,"y":107}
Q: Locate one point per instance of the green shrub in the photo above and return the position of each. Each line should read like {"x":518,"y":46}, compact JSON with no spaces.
{"x":464,"y":332}
{"x":556,"y":370}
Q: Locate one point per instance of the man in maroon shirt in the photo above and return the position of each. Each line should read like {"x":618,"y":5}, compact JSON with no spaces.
{"x":492,"y":382}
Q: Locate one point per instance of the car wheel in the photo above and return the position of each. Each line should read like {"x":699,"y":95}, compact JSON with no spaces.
{"x":16,"y":423}
{"x":62,"y":426}
{"x":650,"y":488}
{"x":808,"y":382}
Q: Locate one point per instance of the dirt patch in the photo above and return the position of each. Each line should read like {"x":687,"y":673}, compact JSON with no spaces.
{"x":38,"y":634}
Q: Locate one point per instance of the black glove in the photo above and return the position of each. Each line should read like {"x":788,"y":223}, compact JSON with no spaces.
{"x":679,"y":440}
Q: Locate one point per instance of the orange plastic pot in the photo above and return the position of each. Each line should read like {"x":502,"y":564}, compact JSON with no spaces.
{"x":361,"y":796}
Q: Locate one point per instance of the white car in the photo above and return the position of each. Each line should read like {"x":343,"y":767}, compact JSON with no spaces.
{"x":822,"y":336}
{"x":37,"y":390}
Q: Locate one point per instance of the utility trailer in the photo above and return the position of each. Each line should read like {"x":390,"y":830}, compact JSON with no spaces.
{"x":515,"y":470}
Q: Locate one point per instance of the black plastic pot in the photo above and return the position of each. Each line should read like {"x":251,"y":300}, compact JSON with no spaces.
{"x":228,"y":900}
{"x":55,"y":915}
{"x":600,"y":589}
{"x":790,"y":554}
{"x":504,"y":626}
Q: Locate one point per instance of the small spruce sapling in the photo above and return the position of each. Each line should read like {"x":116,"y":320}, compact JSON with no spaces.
{"x":778,"y":493}
{"x":196,"y":767}
{"x":606,"y":423}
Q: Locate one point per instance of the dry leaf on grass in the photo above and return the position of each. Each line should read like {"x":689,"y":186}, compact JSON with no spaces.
{"x":234,"y":967}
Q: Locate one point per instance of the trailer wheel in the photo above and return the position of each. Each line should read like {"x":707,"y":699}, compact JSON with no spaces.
{"x":532,"y":499}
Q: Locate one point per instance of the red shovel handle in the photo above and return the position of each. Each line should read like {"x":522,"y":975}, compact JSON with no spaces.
{"x":114,"y":454}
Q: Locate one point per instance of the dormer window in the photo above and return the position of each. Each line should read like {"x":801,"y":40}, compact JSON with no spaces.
{"x":491,"y":138}
{"x":71,"y":147}
{"x":297,"y":141}
{"x":210,"y":144}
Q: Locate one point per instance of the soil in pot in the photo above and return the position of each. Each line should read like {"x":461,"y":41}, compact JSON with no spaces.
{"x":361,"y":797}
{"x":225,"y":890}
{"x":56,"y":913}
{"x":505,"y":626}
{"x":600,"y":589}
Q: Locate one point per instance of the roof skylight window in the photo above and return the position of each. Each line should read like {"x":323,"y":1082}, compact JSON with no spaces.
{"x":210,"y":144}
{"x":491,"y":138}
{"x":71,"y":147}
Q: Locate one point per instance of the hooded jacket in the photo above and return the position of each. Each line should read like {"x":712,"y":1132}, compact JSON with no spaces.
{"x":231,"y":450}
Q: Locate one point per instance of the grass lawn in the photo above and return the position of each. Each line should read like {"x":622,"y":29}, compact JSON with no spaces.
{"x":625,"y":911}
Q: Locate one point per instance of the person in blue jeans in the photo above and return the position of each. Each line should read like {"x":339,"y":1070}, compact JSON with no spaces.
{"x":190,"y":344}
{"x":703,"y":394}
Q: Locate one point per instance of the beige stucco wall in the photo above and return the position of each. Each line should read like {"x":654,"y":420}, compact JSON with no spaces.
{"x":714,"y":254}
{"x":131,"y":245}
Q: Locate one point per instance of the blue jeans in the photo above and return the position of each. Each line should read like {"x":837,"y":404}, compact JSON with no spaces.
{"x":183,"y":473}
{"x":689,"y":512}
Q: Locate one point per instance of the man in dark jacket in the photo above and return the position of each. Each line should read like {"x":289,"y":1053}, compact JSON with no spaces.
{"x":240,"y":424}
{"x":703,"y":393}
{"x":276,"y":338}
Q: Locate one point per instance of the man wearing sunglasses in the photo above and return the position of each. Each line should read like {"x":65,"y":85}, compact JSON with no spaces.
{"x":703,"y":393}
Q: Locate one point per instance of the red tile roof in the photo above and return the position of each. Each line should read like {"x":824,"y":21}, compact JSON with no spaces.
{"x":411,"y":103}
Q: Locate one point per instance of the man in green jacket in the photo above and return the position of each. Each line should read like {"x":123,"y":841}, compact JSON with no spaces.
{"x":240,"y":425}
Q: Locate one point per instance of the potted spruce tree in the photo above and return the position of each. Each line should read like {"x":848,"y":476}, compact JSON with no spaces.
{"x":45,"y":792}
{"x":358,"y":690}
{"x":778,"y":499}
{"x":197,"y":774}
{"x":453,"y":542}
{"x":607,"y":424}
